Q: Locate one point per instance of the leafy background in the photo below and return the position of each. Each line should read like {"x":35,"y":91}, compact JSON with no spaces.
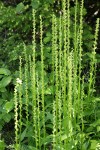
{"x":16,"y":28}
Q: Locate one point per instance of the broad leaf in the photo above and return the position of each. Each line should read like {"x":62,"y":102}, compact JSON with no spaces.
{"x":2,"y":145}
{"x":7,"y":117}
{"x":20,"y":7}
{"x":3,"y":89}
{"x":4,"y":71}
{"x":35,"y":4}
{"x":5,"y":81}
{"x":93,"y":144}
{"x":8,"y":106}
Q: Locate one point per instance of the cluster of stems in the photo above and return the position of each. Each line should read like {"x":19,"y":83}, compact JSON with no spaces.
{"x":67,"y":83}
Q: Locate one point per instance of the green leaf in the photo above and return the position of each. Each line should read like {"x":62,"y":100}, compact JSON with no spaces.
{"x":1,"y":126}
{"x":7,"y":117}
{"x":26,"y":147}
{"x":17,"y":146}
{"x":5,"y":81}
{"x":8,"y":106}
{"x":49,"y":126}
{"x":96,"y":123}
{"x":3,"y":89}
{"x":1,"y":76}
{"x":46,"y":40}
{"x":35,"y":4}
{"x":48,"y":91}
{"x":23,"y":134}
{"x":20,"y":7}
{"x":46,"y":140}
{"x":4,"y":71}
{"x":98,"y":128}
{"x":93,"y":144}
{"x":31,"y":148}
{"x":2,"y":145}
{"x":49,"y":116}
{"x":50,"y":1}
{"x":48,"y":37}
{"x":64,"y":137}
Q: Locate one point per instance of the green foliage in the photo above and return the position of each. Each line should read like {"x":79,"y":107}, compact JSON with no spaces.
{"x":59,"y":119}
{"x":6,"y":103}
{"x":12,"y":33}
{"x":2,"y":145}
{"x":20,"y":8}
{"x":41,"y":92}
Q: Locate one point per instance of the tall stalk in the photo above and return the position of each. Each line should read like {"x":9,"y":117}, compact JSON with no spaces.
{"x":53,"y":83}
{"x":68,"y":26}
{"x":55,"y":67}
{"x":75,"y":90}
{"x":33,"y":78}
{"x":80,"y":54}
{"x":54,"y":125}
{"x":53,"y":51}
{"x":69,"y":99}
{"x":16,"y":116}
{"x":42,"y":75}
{"x":20,"y":97}
{"x":81,"y":113}
{"x":93,"y":61}
{"x":91,"y":85}
{"x":17,"y":122}
{"x":60,"y":80}
{"x":64,"y":24}
{"x":26,"y":86}
{"x":38,"y":113}
{"x":56,"y":76}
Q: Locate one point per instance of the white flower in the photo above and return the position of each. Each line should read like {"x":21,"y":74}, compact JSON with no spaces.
{"x":19,"y":81}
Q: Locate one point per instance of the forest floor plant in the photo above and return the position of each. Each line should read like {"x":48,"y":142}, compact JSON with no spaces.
{"x":58,"y":123}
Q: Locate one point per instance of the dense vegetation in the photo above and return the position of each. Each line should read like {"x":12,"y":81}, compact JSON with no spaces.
{"x":49,"y":75}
